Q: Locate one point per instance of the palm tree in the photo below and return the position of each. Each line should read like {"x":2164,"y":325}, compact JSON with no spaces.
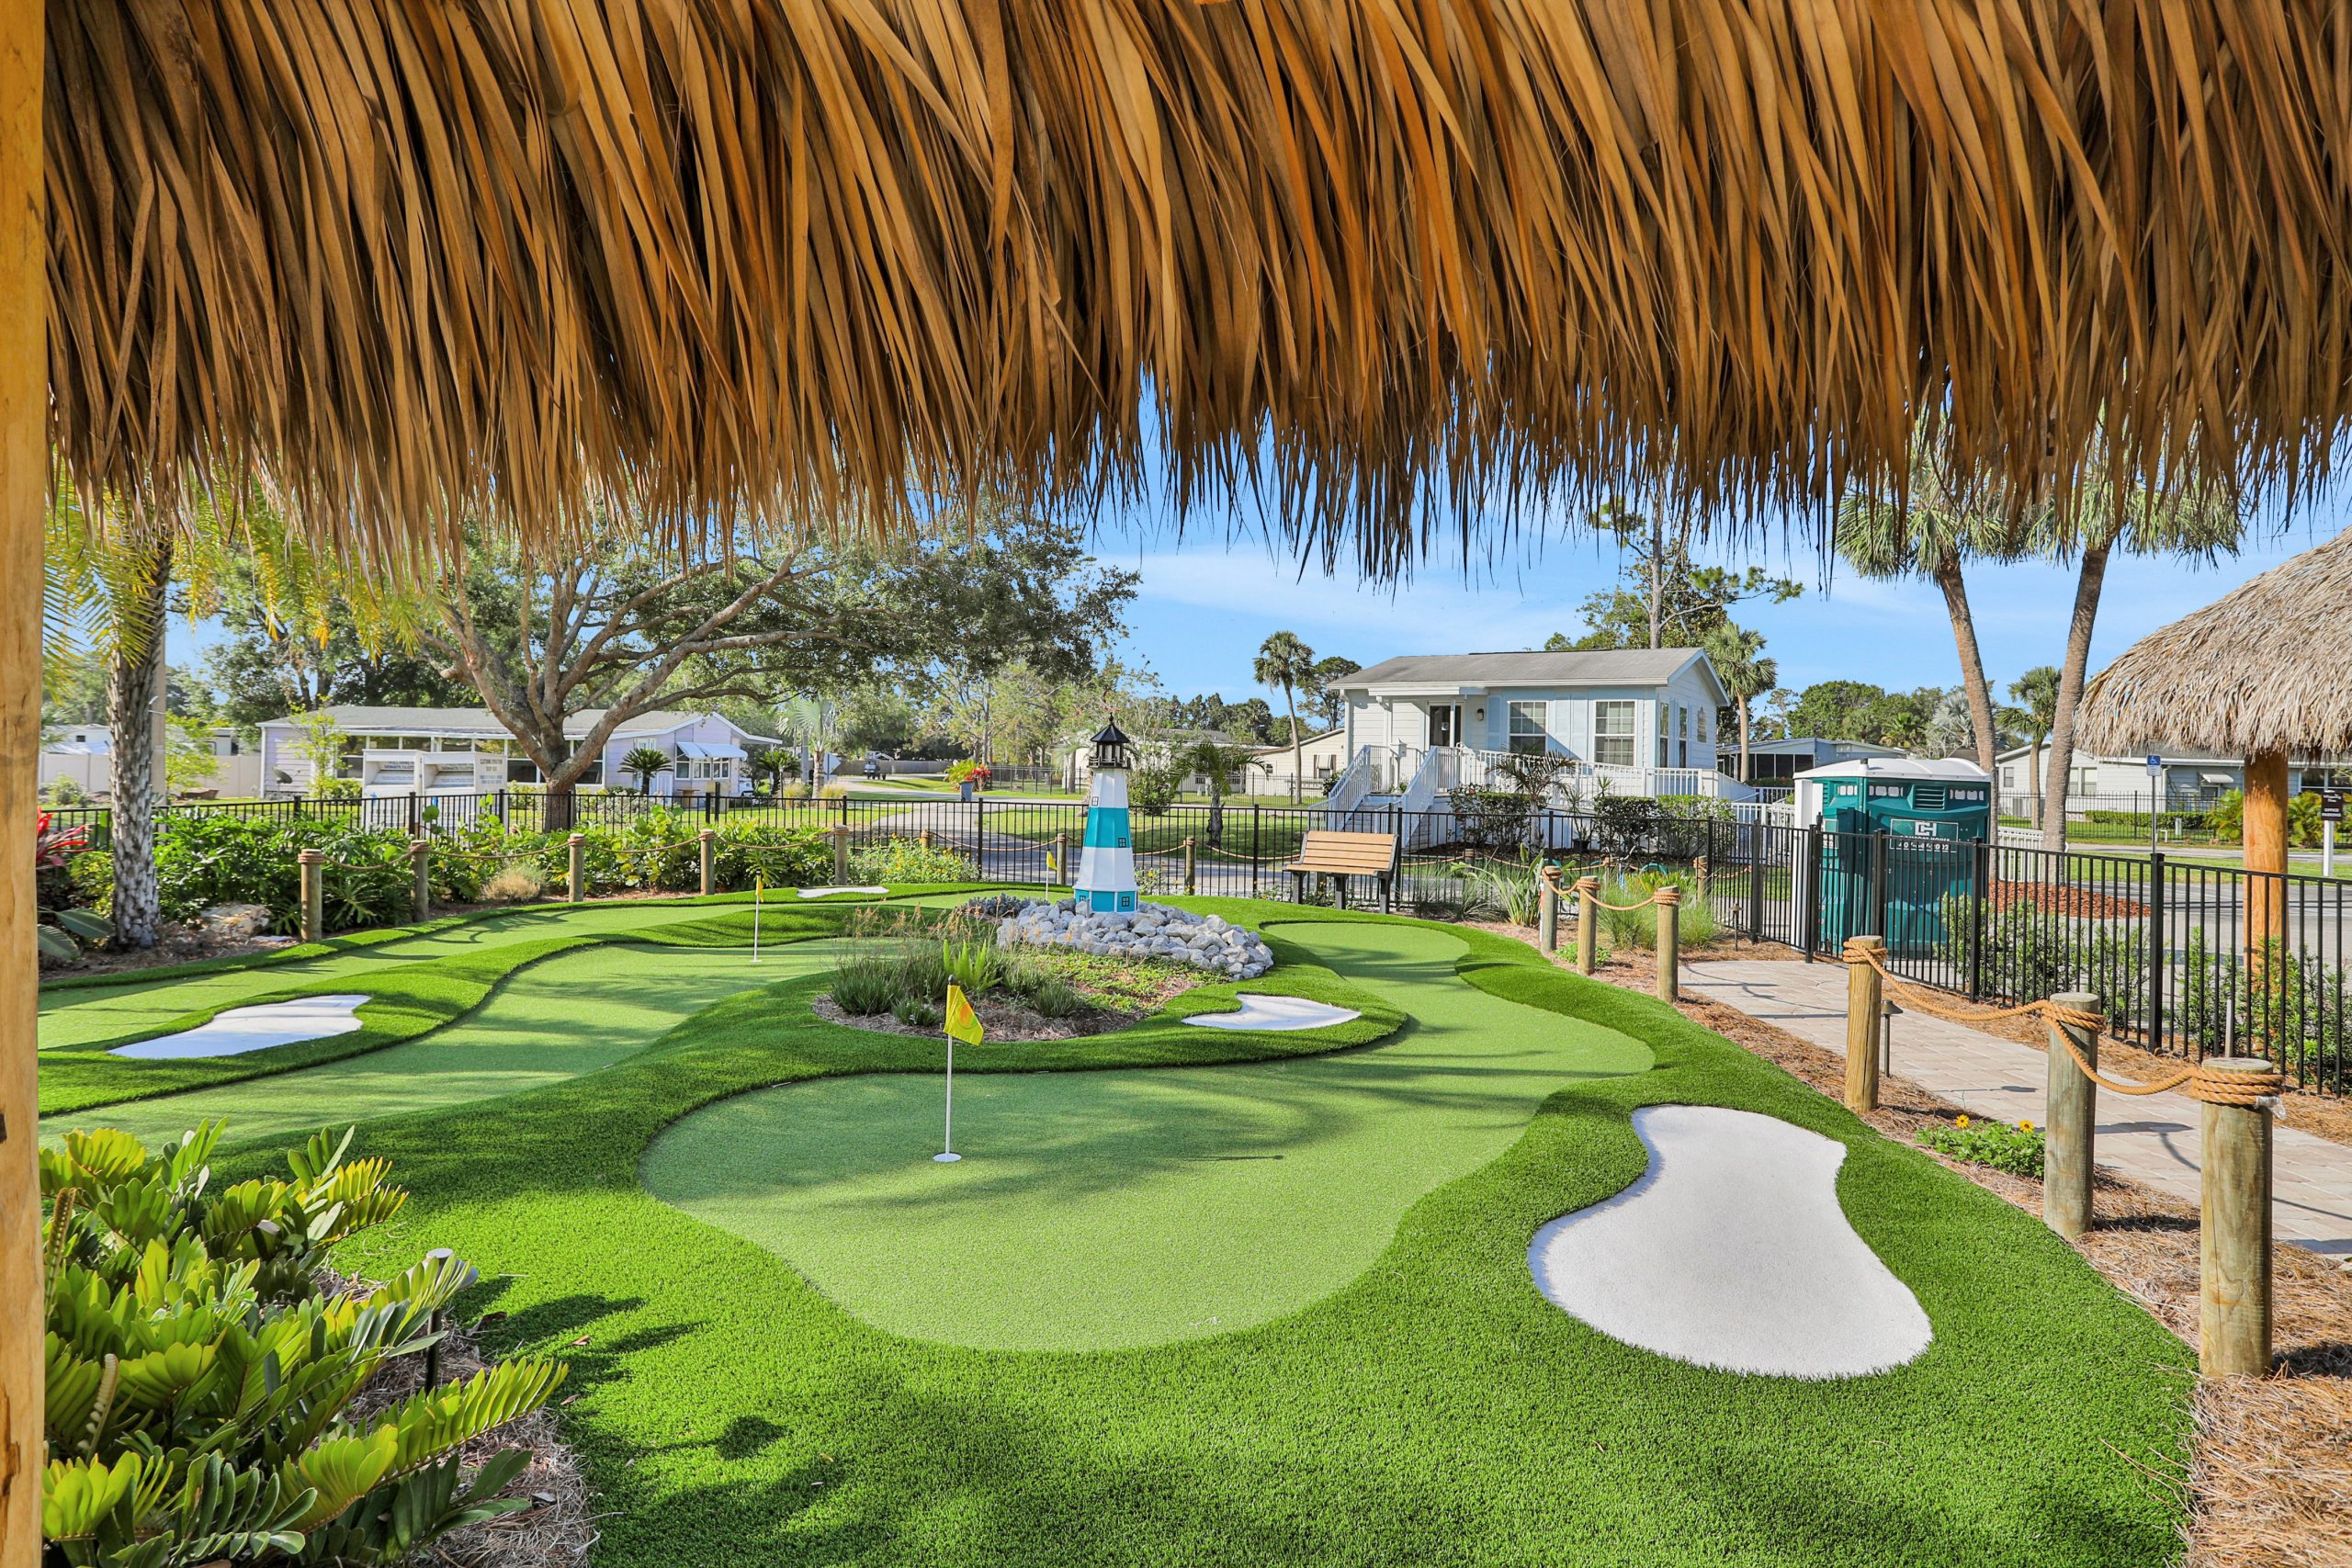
{"x":2200,"y":522}
{"x":643,"y":763}
{"x":2036,"y":694}
{"x":1217,"y":762}
{"x":1944,"y":519}
{"x":1738,"y":655}
{"x":1283,"y":660}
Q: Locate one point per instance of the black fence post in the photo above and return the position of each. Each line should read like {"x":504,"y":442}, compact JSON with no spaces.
{"x":1881,"y":845}
{"x":2157,"y":967}
{"x":1253,"y":849}
{"x":1810,"y":937}
{"x":1756,"y":841}
{"x":1980,"y":899}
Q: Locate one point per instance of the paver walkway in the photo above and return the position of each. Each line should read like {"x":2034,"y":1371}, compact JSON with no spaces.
{"x":2150,"y":1138}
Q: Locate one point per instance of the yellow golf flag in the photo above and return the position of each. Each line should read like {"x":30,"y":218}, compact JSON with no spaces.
{"x":963,"y":1023}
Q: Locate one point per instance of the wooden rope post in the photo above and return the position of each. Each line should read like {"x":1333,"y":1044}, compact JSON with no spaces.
{"x":1669,"y":901}
{"x":706,"y":852}
{"x":2233,"y":1232}
{"x":1588,"y":923}
{"x":923,"y":837}
{"x":2072,"y":1110}
{"x":1865,"y":998}
{"x":840,"y":852}
{"x":1700,"y":867}
{"x":1061,"y":871}
{"x":420,"y":863}
{"x":576,"y":869}
{"x":312,"y":865}
{"x":1191,"y":870}
{"x":1547,"y":914}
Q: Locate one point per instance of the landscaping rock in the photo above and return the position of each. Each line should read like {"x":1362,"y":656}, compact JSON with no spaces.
{"x":1155,"y":930}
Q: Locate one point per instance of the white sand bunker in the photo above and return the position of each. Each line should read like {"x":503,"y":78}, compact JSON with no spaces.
{"x":1275,"y":1012}
{"x":1732,"y":1252}
{"x":256,"y":1028}
{"x":829,"y":892}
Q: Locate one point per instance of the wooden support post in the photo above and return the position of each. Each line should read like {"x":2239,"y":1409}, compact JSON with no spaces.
{"x":576,"y":868}
{"x":420,"y":865}
{"x":1588,"y":923}
{"x":1061,"y":872}
{"x":923,"y":837}
{"x":1865,"y":999}
{"x":2233,"y":1233}
{"x":1670,"y":943}
{"x":840,"y":852}
{"x":311,"y":864}
{"x":1701,"y":868}
{"x":707,"y":853}
{"x":23,"y":497}
{"x":1192,"y":869}
{"x":2072,"y":1109}
{"x":1547,"y":914}
{"x":2265,"y":832}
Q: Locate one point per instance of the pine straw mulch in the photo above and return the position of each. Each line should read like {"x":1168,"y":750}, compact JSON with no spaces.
{"x":1003,"y":1019}
{"x":558,"y":1530}
{"x":2270,"y":1475}
{"x":2074,"y":903}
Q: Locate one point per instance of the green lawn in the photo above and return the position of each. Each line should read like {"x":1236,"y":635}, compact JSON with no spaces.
{"x":1400,"y":1392}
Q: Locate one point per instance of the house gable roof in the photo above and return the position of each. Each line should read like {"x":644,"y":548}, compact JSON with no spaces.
{"x":1535,"y":667}
{"x":359,"y":719}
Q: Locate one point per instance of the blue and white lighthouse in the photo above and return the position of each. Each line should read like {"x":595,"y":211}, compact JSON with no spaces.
{"x":1106,"y":869}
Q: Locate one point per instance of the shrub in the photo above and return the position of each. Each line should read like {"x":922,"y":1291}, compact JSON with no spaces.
{"x":1053,"y":997}
{"x":1491,"y":820}
{"x":833,"y":790}
{"x":1694,"y":919}
{"x":867,"y":982}
{"x":899,"y":862}
{"x":918,"y":1013}
{"x":975,"y":965}
{"x":1623,"y":824}
{"x":796,"y":790}
{"x":516,"y":882}
{"x":200,"y":1383}
{"x":1504,"y":890}
{"x":2017,"y":1150}
{"x":1152,"y":788}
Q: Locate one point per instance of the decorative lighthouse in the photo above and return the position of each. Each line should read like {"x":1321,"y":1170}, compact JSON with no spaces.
{"x":1106,"y":870}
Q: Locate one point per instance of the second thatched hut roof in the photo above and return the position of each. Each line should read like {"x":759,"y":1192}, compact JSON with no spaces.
{"x":2267,"y":668}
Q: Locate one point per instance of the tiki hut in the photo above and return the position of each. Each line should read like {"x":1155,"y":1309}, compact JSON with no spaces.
{"x":1400,"y":273}
{"x":2261,"y":672}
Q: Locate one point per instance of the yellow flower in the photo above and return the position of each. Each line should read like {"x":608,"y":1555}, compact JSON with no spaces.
{"x":2025,"y":1126}
{"x":1961,"y":1122}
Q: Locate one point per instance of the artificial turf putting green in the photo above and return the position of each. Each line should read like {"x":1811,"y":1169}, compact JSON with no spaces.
{"x":570,"y":1013}
{"x":1104,"y":1209}
{"x":1433,"y":1410}
{"x":88,"y":1012}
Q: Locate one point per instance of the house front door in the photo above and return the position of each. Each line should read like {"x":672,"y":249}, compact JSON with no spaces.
{"x":1445,"y":725}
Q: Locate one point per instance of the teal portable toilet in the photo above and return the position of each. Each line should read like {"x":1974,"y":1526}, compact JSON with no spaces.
{"x":1898,"y":839}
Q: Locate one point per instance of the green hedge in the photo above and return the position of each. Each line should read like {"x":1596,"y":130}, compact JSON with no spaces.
{"x":224,"y":859}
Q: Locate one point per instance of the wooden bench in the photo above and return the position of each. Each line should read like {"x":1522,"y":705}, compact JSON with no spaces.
{"x":1327,"y":852}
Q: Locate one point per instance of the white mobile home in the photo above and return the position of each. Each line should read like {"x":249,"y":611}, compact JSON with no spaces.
{"x":432,"y":751}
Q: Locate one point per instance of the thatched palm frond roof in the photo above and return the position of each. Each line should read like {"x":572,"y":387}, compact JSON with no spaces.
{"x":2265,"y":668}
{"x":1399,"y":265}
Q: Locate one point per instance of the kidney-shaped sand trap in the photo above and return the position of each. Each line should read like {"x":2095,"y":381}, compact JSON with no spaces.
{"x":1732,"y":1252}
{"x":829,"y":892}
{"x":1275,"y":1012}
{"x":256,"y":1028}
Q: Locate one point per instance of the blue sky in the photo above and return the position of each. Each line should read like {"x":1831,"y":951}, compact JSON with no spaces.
{"x":1206,"y":604}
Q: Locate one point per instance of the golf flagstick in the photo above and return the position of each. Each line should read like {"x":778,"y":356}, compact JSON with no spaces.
{"x":759,"y":895}
{"x":963,"y":1024}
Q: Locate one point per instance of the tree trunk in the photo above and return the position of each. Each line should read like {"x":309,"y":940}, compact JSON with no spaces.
{"x":1972,"y":663}
{"x":1658,"y":583}
{"x":134,"y":687}
{"x":1743,"y":766}
{"x":2070,"y":696}
{"x":1297,"y":784}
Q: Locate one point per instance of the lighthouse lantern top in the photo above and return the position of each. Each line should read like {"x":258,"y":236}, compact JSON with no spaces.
{"x":1111,"y":748}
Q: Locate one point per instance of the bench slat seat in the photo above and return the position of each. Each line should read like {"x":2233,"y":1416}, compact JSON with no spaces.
{"x":1329,"y":851}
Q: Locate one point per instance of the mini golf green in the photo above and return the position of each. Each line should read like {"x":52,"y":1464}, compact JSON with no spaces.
{"x":569,"y":1014}
{"x":78,"y":1015}
{"x":1096,"y":1209}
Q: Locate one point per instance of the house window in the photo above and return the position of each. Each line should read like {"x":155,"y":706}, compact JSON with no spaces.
{"x":1682,"y":720}
{"x":1528,"y":736}
{"x":1703,"y":727}
{"x":1612,"y":733}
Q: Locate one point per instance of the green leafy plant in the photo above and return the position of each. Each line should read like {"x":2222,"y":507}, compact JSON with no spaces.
{"x":899,"y":862}
{"x":1973,"y":1140}
{"x":200,"y":1381}
{"x":1695,"y":923}
{"x":918,"y":1013}
{"x":1504,"y":890}
{"x":974,"y":964}
{"x":867,"y":982}
{"x":643,"y":763}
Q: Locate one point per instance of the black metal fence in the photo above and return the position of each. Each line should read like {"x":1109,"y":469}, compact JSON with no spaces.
{"x":2188,"y":956}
